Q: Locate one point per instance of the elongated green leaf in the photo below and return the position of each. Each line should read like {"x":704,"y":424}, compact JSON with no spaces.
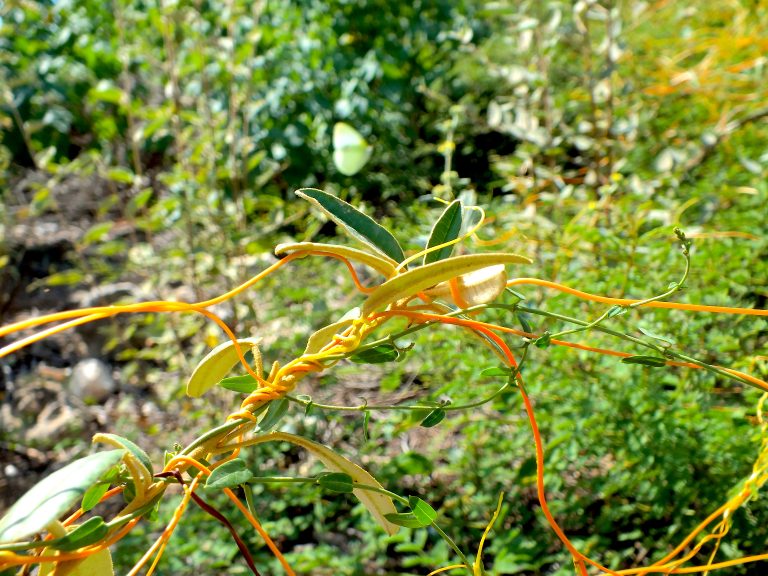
{"x":496,"y":371}
{"x":433,"y":418}
{"x":93,"y":495}
{"x":382,"y":264}
{"x":423,"y":511}
{"x":245,"y":383}
{"x":406,"y":520}
{"x":120,"y":442}
{"x":89,"y":532}
{"x":229,"y":475}
{"x":667,"y":341}
{"x":419,"y":279}
{"x":447,"y":228}
{"x":217,"y":364}
{"x":362,"y":227}
{"x":652,"y":361}
{"x":379,"y":505}
{"x":378,"y":355}
{"x":54,"y":495}
{"x":275,"y":412}
{"x":336,"y":482}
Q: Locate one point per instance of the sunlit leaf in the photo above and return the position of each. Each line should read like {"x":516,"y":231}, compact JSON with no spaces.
{"x":229,"y":475}
{"x":413,"y":281}
{"x":97,"y":563}
{"x":361,"y":226}
{"x":423,"y":511}
{"x":382,"y":264}
{"x":217,"y":364}
{"x":447,"y":228}
{"x":244,"y":384}
{"x":120,"y":442}
{"x":54,"y":495}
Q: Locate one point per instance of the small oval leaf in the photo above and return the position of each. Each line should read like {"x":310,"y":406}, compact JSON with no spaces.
{"x":377,"y":355}
{"x":336,"y":482}
{"x":446,"y":229}
{"x":217,"y":364}
{"x":652,"y":361}
{"x":361,"y":226}
{"x":405,"y":519}
{"x":229,"y":475}
{"x":419,"y":279}
{"x":93,"y":496}
{"x":433,"y":418}
{"x":245,"y":383}
{"x":54,"y":495}
{"x":423,"y":511}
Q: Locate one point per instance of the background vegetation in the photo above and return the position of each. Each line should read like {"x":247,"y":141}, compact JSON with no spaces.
{"x":152,"y":149}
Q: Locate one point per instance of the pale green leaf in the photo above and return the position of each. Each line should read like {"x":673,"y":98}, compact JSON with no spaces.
{"x":217,"y":364}
{"x":350,"y":150}
{"x":413,"y":281}
{"x":54,"y":495}
{"x":382,"y":264}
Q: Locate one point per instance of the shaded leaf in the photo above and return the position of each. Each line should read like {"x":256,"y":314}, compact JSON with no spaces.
{"x":336,"y":482}
{"x":447,"y":228}
{"x":276,"y":409}
{"x":362,"y":227}
{"x":89,"y":532}
{"x":405,"y":519}
{"x":652,"y":361}
{"x":93,"y":495}
{"x":377,"y":355}
{"x":433,"y":418}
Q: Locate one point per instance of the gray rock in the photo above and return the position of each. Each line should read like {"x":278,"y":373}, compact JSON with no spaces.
{"x":92,"y":381}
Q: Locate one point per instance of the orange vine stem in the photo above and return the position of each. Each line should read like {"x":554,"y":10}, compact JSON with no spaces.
{"x":626,"y":301}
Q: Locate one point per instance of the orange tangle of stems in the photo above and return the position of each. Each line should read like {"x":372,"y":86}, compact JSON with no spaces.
{"x":485,"y":329}
{"x":232,"y":496}
{"x":626,"y":301}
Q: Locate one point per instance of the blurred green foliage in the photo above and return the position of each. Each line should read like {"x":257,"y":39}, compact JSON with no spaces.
{"x":587,"y":129}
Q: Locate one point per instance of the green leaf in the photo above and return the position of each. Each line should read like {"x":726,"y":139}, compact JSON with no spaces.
{"x":405,"y":519}
{"x":93,"y":495}
{"x":275,"y":411}
{"x":218,"y":362}
{"x":655,"y":336}
{"x":245,"y":384}
{"x":379,"y":505}
{"x":447,"y":228}
{"x":350,"y":150}
{"x":433,"y":418}
{"x":140,"y":455}
{"x":121,"y":175}
{"x":229,"y":475}
{"x":424,"y":277}
{"x":362,"y":227}
{"x":495,"y":371}
{"x":423,"y":511}
{"x":652,"y":361}
{"x":615,"y":310}
{"x":336,"y":482}
{"x":54,"y":495}
{"x":377,"y":355}
{"x":89,"y":532}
